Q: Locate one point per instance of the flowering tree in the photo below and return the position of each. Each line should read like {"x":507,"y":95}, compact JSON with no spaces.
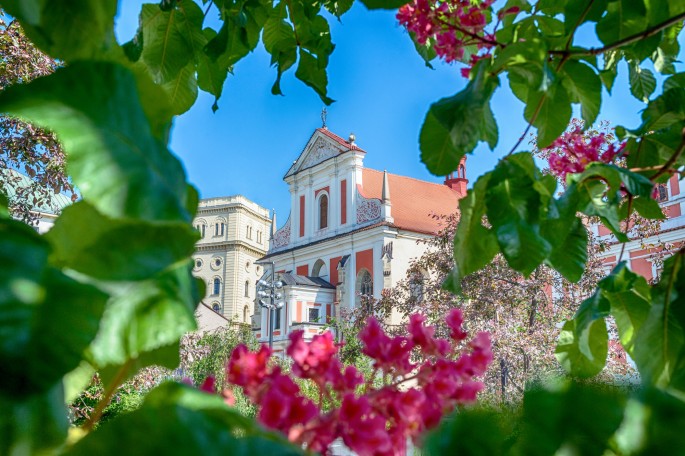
{"x":110,"y":286}
{"x":371,"y":421}
{"x":24,"y":147}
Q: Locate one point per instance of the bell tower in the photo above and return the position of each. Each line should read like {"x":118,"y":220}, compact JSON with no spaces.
{"x":457,"y":180}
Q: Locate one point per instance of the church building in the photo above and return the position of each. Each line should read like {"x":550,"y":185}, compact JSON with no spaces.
{"x":352,"y":231}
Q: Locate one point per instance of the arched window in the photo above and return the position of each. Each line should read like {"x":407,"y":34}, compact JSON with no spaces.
{"x":245,"y":310}
{"x":217,"y":286}
{"x":247,"y":288}
{"x":366,"y":284}
{"x":323,"y":211}
{"x":216,"y":307}
{"x":462,"y":171}
{"x":416,"y":286}
{"x":319,"y":270}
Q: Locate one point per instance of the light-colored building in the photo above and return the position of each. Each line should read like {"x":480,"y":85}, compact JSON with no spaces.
{"x":352,"y":231}
{"x":234,"y":233}
{"x":641,"y":253}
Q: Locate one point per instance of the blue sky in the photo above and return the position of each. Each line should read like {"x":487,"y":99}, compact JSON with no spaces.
{"x":382,"y":90}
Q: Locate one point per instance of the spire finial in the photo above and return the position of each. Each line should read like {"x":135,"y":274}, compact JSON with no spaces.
{"x":324,"y":113}
{"x":273,"y":223}
{"x":385,"y":197}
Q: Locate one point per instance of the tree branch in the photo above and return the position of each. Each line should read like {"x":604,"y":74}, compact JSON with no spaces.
{"x":671,"y":161}
{"x":104,"y":402}
{"x":627,"y":40}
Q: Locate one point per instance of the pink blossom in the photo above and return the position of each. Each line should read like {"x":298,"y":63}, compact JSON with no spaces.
{"x":371,"y":421}
{"x":573,"y":152}
{"x":454,"y":321}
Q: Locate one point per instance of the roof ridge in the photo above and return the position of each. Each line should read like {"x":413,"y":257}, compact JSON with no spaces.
{"x":413,"y":178}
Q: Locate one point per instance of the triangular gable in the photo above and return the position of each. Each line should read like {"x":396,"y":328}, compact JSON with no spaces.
{"x":322,"y":146}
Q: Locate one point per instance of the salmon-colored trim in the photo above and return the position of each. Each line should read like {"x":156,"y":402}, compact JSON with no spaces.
{"x":299,"y":311}
{"x":672,"y":211}
{"x":334,"y":269}
{"x":326,"y":189}
{"x":302,"y":270}
{"x":343,"y":202}
{"x":277,"y":332}
{"x":328,"y":313}
{"x":675,"y":185}
{"x":365,"y":261}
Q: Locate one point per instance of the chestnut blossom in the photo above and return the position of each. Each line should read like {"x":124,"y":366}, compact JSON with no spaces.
{"x":573,"y":151}
{"x":369,"y":420}
{"x":451,"y":27}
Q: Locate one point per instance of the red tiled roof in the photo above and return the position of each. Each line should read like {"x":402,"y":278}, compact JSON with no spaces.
{"x":339,"y":140}
{"x":413,"y":200}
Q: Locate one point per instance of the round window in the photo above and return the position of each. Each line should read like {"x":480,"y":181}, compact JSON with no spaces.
{"x":216,"y":263}
{"x":216,"y":307}
{"x":198,"y":263}
{"x":247,"y":266}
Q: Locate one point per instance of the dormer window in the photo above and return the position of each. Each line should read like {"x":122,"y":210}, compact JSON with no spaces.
{"x":323,"y":211}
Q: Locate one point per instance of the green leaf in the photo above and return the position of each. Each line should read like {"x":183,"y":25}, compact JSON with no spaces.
{"x":338,"y":7}
{"x":172,"y":39}
{"x":623,"y":19}
{"x":182,"y":90}
{"x":660,"y":340}
{"x":629,"y":297}
{"x":146,"y":318}
{"x":384,"y":4}
{"x":549,"y":111}
{"x":513,"y":209}
{"x":570,"y":256}
{"x":115,"y":249}
{"x":178,"y":420}
{"x":210,"y":75}
{"x":471,"y":431}
{"x":114,"y":159}
{"x":46,"y":319}
{"x":648,"y":208}
{"x":474,"y":244}
{"x":69,"y":30}
{"x":642,"y":82}
{"x":581,"y":363}
{"x":34,"y":425}
{"x":664,"y":111}
{"x":577,"y":13}
{"x":454,"y":125}
{"x":279,"y":41}
{"x":311,"y":72}
{"x":572,"y":418}
{"x":585,"y":87}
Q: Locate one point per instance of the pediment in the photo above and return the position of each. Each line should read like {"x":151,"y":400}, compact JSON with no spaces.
{"x":320,"y":147}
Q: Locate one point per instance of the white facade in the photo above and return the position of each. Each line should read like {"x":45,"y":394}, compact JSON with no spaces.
{"x":351,"y":231}
{"x":235,"y":233}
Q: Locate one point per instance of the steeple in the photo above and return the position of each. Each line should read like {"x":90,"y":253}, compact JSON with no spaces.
{"x":385,"y":199}
{"x":273,"y":224}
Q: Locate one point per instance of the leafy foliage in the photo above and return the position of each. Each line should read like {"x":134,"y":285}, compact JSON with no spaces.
{"x":64,"y":304}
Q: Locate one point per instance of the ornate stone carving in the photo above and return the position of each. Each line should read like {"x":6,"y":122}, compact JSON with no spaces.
{"x":368,"y":209}
{"x":282,"y":236}
{"x":321,"y":150}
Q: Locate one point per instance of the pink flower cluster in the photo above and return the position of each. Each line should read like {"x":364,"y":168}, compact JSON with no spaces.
{"x":573,"y":151}
{"x":450,"y":27}
{"x":370,"y":420}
